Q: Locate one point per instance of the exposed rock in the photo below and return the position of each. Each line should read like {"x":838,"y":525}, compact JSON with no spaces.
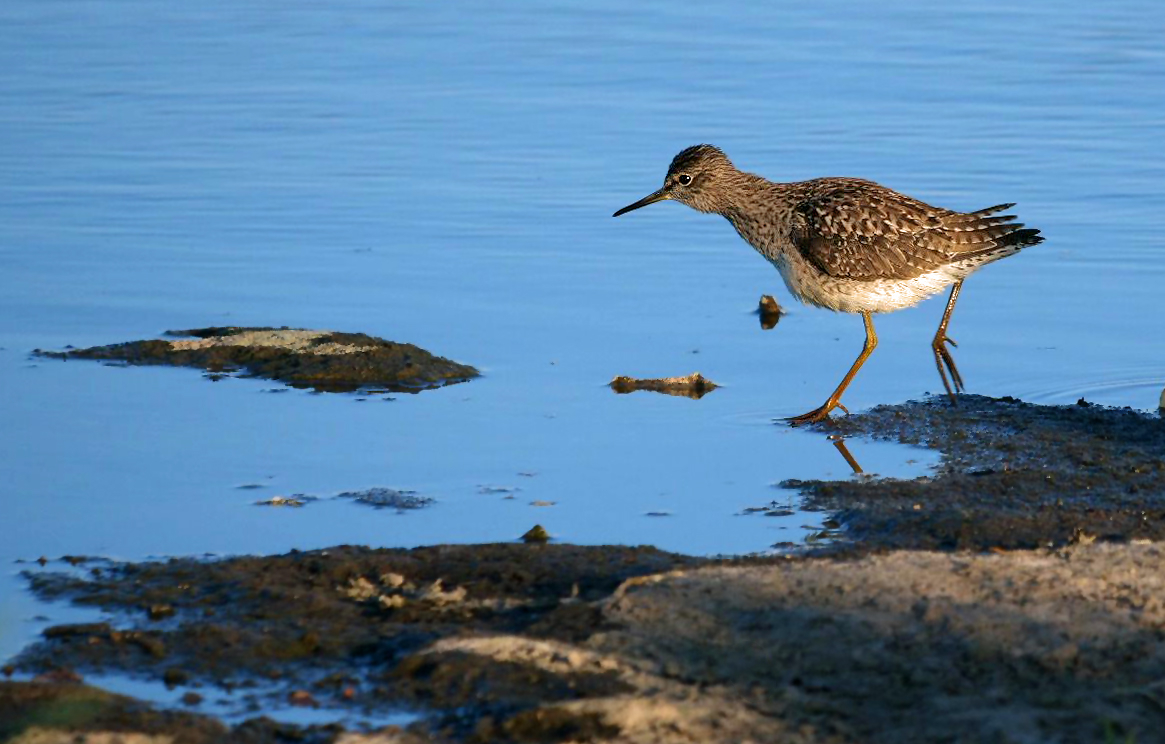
{"x":694,"y":385}
{"x":327,"y":361}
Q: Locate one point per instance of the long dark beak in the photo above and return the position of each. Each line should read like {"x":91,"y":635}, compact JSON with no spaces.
{"x":649,"y":199}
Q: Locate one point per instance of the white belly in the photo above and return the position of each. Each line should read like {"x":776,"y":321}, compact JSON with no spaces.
{"x":813,"y":287}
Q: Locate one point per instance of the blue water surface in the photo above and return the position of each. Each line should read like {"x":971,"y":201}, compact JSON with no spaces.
{"x":444,"y":174}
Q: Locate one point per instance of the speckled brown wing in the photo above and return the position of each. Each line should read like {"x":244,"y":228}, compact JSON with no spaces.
{"x":986,"y":231}
{"x":853,"y":229}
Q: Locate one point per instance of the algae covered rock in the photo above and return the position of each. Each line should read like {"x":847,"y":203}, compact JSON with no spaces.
{"x":326,"y":361}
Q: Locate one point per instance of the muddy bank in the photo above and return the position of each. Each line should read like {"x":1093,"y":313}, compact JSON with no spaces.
{"x":1012,"y":475}
{"x":354,"y":627}
{"x":325,"y":361}
{"x":564,"y":643}
{"x":911,"y":646}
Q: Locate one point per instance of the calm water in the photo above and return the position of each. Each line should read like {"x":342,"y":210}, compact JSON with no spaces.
{"x":444,"y":174}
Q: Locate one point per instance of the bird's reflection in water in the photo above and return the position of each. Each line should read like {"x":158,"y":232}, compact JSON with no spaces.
{"x":839,"y":443}
{"x":830,"y":531}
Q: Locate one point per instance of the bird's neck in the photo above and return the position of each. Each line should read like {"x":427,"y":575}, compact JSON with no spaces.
{"x":760,"y":211}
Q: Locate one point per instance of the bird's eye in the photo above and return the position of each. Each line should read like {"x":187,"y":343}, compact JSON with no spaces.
{"x":684,"y":179}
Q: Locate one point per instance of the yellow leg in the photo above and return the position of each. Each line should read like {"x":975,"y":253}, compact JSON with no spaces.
{"x":818,"y":414}
{"x":942,"y":355}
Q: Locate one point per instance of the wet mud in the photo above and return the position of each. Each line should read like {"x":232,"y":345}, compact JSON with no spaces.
{"x":1012,"y":475}
{"x":325,"y":361}
{"x":515,"y":643}
{"x":1028,"y":607}
{"x":357,"y":628}
{"x":59,"y":711}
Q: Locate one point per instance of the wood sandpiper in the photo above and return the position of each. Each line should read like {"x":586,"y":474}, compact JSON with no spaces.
{"x":848,"y":244}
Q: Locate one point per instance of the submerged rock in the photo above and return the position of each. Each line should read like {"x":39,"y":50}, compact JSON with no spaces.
{"x":326,"y":361}
{"x":388,"y":498}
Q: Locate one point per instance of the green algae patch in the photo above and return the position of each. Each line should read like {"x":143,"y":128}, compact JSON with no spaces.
{"x":325,"y":361}
{"x":46,"y":711}
{"x":59,"y":709}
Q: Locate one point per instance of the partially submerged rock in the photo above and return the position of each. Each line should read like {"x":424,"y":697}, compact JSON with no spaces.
{"x":377,"y":498}
{"x":326,"y":361}
{"x":769,"y":311}
{"x":388,"y":498}
{"x":295,"y":500}
{"x":694,"y":385}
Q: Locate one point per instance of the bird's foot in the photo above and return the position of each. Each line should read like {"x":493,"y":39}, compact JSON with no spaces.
{"x":817,"y":414}
{"x":944,"y":361}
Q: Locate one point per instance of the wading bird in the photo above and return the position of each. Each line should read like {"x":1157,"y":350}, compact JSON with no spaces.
{"x":848,"y":244}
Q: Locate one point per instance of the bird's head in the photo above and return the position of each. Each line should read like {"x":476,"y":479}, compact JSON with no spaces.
{"x":696,"y":177}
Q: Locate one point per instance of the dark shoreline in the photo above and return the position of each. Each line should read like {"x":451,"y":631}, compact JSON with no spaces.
{"x":1015,"y":590}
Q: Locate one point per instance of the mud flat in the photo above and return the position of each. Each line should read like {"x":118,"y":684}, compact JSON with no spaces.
{"x":1012,"y":475}
{"x":496,"y":643}
{"x":878,"y":639}
{"x":326,"y":361}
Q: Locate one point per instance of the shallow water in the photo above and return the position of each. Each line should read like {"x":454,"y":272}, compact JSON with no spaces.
{"x":445,"y":176}
{"x":237,"y":706}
